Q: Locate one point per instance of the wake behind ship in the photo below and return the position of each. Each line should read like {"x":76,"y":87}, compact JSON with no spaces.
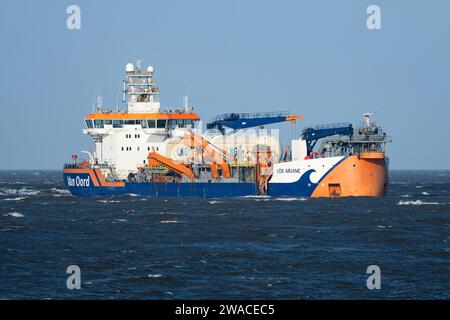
{"x":150,"y":151}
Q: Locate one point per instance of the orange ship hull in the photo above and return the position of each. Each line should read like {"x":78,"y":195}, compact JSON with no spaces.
{"x":362,"y":175}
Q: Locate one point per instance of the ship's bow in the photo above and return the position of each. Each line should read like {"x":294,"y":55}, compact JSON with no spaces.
{"x":361,"y":175}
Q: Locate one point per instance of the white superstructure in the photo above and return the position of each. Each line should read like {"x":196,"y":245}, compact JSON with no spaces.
{"x":123,"y":139}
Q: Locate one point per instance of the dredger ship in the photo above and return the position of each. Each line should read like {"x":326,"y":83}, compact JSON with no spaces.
{"x":149,"y":151}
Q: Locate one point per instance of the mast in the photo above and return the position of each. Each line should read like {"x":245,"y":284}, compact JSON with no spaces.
{"x":140,"y":90}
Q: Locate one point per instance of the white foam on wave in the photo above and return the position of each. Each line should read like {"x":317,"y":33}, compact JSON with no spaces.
{"x":290,"y":199}
{"x":167,"y":212}
{"x":425,"y":193}
{"x":214,"y":202}
{"x":15,"y":199}
{"x":415,"y":203}
{"x":14,"y":214}
{"x":157,"y":275}
{"x":169,"y":221}
{"x":20,"y":192}
{"x":60,"y":191}
{"x":109,"y":201}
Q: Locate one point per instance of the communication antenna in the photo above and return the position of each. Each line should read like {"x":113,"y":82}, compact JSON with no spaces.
{"x":99,"y":102}
{"x":93,"y":99}
{"x":186,"y":103}
{"x":139,"y":64}
{"x":186,"y":100}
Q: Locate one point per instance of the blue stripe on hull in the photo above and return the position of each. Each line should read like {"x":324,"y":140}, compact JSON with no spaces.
{"x":164,"y":189}
{"x":303,"y":187}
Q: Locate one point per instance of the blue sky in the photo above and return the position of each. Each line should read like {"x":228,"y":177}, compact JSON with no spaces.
{"x":316,"y":58}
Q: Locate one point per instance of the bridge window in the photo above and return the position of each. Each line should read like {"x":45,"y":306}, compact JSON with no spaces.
{"x":98,"y":123}
{"x":117,"y":123}
{"x":130,"y":122}
{"x":161,"y":124}
{"x":181,"y":123}
{"x":89,"y":124}
{"x":108,"y":122}
{"x":148,"y":124}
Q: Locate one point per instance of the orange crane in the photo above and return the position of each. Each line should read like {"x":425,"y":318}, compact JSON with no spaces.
{"x":264,"y":168}
{"x":156,"y":158}
{"x":212,"y":152}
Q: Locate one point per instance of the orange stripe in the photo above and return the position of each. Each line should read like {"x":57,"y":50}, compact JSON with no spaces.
{"x":89,"y":171}
{"x":108,"y":184}
{"x":142,"y":116}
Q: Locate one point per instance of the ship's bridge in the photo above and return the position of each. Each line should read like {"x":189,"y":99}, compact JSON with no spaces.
{"x":145,"y":120}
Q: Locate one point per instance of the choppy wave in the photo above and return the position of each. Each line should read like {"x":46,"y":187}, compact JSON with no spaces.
{"x":415,"y":203}
{"x":157,"y":275}
{"x":14,"y":214}
{"x":109,"y":201}
{"x":15,"y":199}
{"x":169,"y":221}
{"x":214,"y":202}
{"x":290,"y":199}
{"x":60,"y":191}
{"x":20,"y":192}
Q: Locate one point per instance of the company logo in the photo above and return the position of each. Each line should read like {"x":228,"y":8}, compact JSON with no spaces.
{"x":78,"y":181}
